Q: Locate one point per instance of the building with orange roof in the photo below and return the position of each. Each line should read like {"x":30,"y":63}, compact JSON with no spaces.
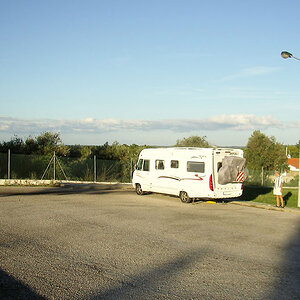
{"x":293,"y":164}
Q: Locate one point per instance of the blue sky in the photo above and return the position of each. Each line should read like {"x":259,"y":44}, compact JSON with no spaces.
{"x":149,"y":72}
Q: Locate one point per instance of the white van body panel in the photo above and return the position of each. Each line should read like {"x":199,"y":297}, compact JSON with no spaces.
{"x":192,"y":170}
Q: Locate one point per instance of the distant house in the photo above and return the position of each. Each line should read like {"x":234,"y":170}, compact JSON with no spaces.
{"x":293,"y":164}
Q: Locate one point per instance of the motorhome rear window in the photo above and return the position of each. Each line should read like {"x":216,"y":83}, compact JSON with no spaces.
{"x":195,"y":166}
{"x":219,"y":166}
{"x":146,"y":166}
{"x":159,"y":164}
{"x":174,"y":164}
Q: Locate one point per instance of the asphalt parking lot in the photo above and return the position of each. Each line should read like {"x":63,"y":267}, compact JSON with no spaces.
{"x":109,"y":243}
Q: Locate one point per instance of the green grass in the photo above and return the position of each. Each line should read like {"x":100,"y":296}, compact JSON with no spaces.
{"x":265,"y":195}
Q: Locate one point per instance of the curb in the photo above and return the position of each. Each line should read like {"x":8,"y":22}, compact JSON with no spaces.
{"x":266,"y":206}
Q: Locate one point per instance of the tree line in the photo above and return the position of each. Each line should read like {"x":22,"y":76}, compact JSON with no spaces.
{"x":261,"y":151}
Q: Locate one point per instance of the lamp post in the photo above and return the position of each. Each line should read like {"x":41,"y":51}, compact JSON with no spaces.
{"x":285,"y":54}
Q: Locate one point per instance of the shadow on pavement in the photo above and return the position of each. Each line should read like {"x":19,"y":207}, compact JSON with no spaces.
{"x":138,"y":286}
{"x":65,"y":189}
{"x":287,"y":281}
{"x":11,"y":288}
{"x":286,"y":284}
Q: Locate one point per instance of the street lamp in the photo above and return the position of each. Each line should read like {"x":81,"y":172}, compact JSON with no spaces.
{"x":285,"y":54}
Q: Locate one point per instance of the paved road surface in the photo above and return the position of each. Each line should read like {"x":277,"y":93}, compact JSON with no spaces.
{"x":100,"y":243}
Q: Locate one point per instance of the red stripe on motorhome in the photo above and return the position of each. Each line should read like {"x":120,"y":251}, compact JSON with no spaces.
{"x":240,"y":177}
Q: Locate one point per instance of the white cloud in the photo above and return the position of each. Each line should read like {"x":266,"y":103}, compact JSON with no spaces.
{"x":249,"y":72}
{"x":89,"y":125}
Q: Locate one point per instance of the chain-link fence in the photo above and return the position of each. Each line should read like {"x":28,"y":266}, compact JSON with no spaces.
{"x":21,"y":166}
{"x":266,"y":178}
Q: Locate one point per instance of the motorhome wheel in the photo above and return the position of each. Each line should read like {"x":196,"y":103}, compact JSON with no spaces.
{"x":138,"y":189}
{"x":184,"y":197}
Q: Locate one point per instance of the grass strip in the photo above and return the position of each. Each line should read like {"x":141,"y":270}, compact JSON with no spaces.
{"x":265,"y":195}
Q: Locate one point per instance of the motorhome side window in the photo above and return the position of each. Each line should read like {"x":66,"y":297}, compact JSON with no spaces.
{"x":195,"y":166}
{"x":146,"y":165}
{"x":159,"y":164}
{"x":139,"y":164}
{"x":174,"y":164}
{"x":143,"y":165}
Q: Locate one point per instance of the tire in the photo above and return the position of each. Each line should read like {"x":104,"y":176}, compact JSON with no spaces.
{"x":184,"y":197}
{"x":138,"y":189}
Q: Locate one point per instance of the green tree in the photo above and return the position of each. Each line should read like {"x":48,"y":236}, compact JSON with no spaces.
{"x":295,"y":153}
{"x":31,"y":146}
{"x":193,"y":141}
{"x":49,"y":142}
{"x":16,"y":145}
{"x":125,"y":155}
{"x":265,"y":152}
{"x":85,"y":152}
{"x":75,"y":151}
{"x":293,"y":150}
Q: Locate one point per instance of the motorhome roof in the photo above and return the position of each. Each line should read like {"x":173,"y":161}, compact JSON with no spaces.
{"x":188,"y":148}
{"x":190,"y":151}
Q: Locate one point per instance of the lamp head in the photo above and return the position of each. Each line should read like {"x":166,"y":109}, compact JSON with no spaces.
{"x":285,"y":54}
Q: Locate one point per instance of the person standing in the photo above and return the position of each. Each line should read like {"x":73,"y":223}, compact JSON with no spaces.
{"x":278,"y":189}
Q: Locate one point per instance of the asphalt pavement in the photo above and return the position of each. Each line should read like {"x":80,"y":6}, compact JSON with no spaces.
{"x":107,"y":242}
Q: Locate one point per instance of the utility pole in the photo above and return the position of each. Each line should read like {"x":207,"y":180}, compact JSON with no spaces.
{"x":285,"y":55}
{"x":299,"y":179}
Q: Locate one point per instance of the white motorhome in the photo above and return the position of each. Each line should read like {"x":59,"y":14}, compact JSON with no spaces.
{"x":190,"y":172}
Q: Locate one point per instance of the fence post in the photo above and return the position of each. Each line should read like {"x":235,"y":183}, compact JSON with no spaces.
{"x":95,"y":168}
{"x":262,"y":176}
{"x":54,"y":166}
{"x":8,"y":164}
{"x":131,"y":169}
